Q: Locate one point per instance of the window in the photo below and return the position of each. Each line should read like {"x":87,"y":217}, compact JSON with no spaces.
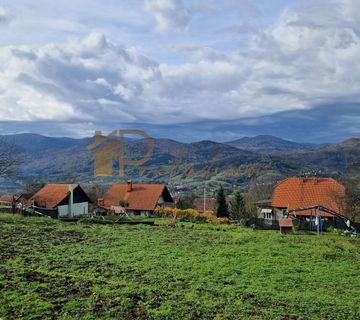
{"x":267,"y":213}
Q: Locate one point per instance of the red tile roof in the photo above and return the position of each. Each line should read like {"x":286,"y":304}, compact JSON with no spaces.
{"x":52,"y":194}
{"x":141,"y":197}
{"x":198,"y":204}
{"x":293,"y":193}
{"x":7,"y":198}
{"x":285,"y":223}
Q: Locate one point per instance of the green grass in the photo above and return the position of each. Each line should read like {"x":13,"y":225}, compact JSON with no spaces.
{"x":56,"y":270}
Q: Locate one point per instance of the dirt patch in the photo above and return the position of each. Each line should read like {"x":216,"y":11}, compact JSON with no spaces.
{"x":69,"y":235}
{"x":33,"y":276}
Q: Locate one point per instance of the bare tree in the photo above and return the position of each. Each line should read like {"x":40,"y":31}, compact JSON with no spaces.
{"x":10,"y":159}
{"x":348,"y":202}
{"x":257,"y":191}
{"x":352,"y":199}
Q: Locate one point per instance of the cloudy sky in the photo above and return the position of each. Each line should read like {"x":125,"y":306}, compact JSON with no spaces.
{"x":181,"y":69}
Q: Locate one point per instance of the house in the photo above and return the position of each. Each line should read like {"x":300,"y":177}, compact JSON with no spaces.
{"x":61,"y":200}
{"x":298,"y":192}
{"x":198,"y":204}
{"x":139,"y":199}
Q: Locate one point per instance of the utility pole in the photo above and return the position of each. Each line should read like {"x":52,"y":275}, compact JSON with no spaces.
{"x":205,"y":197}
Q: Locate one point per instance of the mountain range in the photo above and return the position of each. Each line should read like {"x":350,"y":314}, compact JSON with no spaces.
{"x":184,"y":165}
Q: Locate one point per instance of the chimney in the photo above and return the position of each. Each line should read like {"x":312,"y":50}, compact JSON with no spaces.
{"x":129,"y":186}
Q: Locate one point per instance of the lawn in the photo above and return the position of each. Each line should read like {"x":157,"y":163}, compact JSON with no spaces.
{"x":57,"y":270}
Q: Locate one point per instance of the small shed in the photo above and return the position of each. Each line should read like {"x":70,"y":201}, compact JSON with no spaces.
{"x":286,"y":225}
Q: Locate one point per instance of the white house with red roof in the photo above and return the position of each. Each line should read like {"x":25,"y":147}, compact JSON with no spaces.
{"x":61,"y":200}
{"x":140,"y":199}
{"x":297,"y":192}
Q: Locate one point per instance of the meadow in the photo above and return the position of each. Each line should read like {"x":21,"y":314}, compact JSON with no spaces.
{"x":55,"y":270}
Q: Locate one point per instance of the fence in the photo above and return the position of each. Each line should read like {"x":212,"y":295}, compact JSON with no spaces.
{"x":37,"y":211}
{"x":7,"y":206}
{"x":268,"y":224}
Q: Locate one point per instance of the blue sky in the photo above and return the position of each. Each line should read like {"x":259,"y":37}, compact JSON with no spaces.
{"x":181,"y":69}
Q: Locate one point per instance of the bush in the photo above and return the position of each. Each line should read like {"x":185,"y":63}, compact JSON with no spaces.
{"x":190,"y":215}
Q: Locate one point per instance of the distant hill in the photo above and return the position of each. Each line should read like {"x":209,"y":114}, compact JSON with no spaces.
{"x":270,"y":144}
{"x":266,"y":158}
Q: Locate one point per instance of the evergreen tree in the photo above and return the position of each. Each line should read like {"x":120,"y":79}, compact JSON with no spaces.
{"x":237,"y":206}
{"x":221,"y":209}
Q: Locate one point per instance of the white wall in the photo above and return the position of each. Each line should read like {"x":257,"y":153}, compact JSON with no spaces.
{"x":78,"y":209}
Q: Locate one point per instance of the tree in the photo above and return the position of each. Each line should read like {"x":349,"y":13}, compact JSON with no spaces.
{"x":237,"y":206}
{"x":352,"y":200}
{"x":123,"y":203}
{"x":10,"y":159}
{"x":257,"y":191}
{"x":221,"y":207}
{"x":185,"y":202}
{"x":34,"y":186}
{"x":94,"y":192}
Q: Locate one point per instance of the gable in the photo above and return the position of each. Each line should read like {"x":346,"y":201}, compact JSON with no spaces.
{"x":53,"y":195}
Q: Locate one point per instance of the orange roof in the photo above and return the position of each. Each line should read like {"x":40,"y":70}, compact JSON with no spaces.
{"x":286,"y":223}
{"x":52,"y":194}
{"x":141,"y":197}
{"x":294,"y":193}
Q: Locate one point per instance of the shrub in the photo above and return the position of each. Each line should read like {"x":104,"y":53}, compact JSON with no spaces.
{"x":190,"y":215}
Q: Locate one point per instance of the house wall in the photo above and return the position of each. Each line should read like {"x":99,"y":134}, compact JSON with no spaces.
{"x":78,"y":209}
{"x":277,"y":213}
{"x":140,"y":213}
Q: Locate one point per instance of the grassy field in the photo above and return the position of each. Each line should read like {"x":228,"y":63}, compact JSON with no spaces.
{"x":55,"y":270}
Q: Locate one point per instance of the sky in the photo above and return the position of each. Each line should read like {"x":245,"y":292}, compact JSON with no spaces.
{"x":187,"y":70}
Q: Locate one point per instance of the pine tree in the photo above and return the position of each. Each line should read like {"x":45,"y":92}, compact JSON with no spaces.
{"x":237,"y":206}
{"x":221,"y":209}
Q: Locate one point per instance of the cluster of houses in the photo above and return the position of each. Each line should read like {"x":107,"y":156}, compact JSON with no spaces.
{"x":298,"y":197}
{"x":71,"y":201}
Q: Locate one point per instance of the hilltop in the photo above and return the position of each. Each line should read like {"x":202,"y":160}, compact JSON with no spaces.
{"x":235,"y":163}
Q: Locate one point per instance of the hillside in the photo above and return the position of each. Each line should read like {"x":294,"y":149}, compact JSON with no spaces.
{"x":175,"y":163}
{"x":270,"y":144}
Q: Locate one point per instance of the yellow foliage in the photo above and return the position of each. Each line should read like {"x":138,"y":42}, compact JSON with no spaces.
{"x":190,"y":215}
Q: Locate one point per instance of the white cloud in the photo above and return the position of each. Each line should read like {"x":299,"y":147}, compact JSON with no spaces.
{"x":170,"y":15}
{"x":305,"y":59}
{"x":4,"y":16}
